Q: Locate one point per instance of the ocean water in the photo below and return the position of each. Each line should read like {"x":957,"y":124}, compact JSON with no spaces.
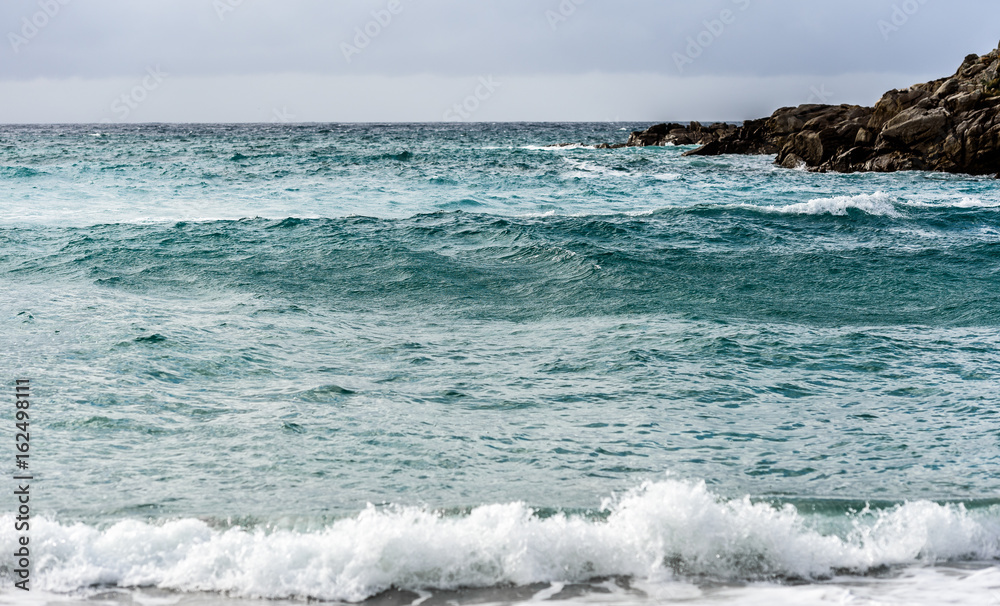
{"x":430,"y":364}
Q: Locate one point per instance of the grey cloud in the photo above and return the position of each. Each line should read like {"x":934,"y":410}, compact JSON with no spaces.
{"x":115,"y":38}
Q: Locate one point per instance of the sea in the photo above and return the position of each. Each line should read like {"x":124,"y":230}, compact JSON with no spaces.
{"x":461,"y":364}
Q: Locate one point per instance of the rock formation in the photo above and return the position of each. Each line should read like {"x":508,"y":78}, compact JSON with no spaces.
{"x":951,"y":125}
{"x":677,"y":134}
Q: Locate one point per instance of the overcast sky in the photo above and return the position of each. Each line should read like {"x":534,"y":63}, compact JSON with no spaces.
{"x":477,"y":60}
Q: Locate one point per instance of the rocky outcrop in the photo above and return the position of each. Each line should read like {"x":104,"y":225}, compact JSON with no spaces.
{"x":801,"y":135}
{"x":677,"y":134}
{"x":951,"y":125}
{"x":752,"y":138}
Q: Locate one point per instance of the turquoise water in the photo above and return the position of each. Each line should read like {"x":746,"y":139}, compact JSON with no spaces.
{"x":324,"y":361}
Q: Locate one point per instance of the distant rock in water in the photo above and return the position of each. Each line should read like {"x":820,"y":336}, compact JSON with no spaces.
{"x":675,"y":134}
{"x":950,"y":125}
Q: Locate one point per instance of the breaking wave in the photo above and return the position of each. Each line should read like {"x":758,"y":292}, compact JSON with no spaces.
{"x":658,"y":532}
{"x":878,"y":204}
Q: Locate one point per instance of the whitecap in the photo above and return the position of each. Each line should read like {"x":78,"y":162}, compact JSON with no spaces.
{"x":666,"y":176}
{"x":558,"y":147}
{"x":649,"y":533}
{"x":964,"y":202}
{"x":878,"y":204}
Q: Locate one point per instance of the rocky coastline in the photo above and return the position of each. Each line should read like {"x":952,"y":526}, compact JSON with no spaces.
{"x":950,"y":125}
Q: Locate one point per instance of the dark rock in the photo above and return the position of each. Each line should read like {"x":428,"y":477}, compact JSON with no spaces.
{"x":951,"y":124}
{"x":793,"y":161}
{"x":677,"y":134}
{"x":751,"y":138}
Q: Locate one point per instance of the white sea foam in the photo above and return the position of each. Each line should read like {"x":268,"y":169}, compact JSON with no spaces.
{"x":964,"y":202}
{"x":558,"y":147}
{"x":584,"y":169}
{"x":647,"y":532}
{"x":589,"y":170}
{"x":666,"y":176}
{"x":973,"y":202}
{"x":878,"y":204}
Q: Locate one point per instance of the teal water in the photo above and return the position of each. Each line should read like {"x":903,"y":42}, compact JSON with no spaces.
{"x":324,"y":361}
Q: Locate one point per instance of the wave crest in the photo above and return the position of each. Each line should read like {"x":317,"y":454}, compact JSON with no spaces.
{"x":653,"y":532}
{"x":878,"y":204}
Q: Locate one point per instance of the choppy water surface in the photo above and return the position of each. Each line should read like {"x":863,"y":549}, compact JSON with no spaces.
{"x":451,"y":362}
